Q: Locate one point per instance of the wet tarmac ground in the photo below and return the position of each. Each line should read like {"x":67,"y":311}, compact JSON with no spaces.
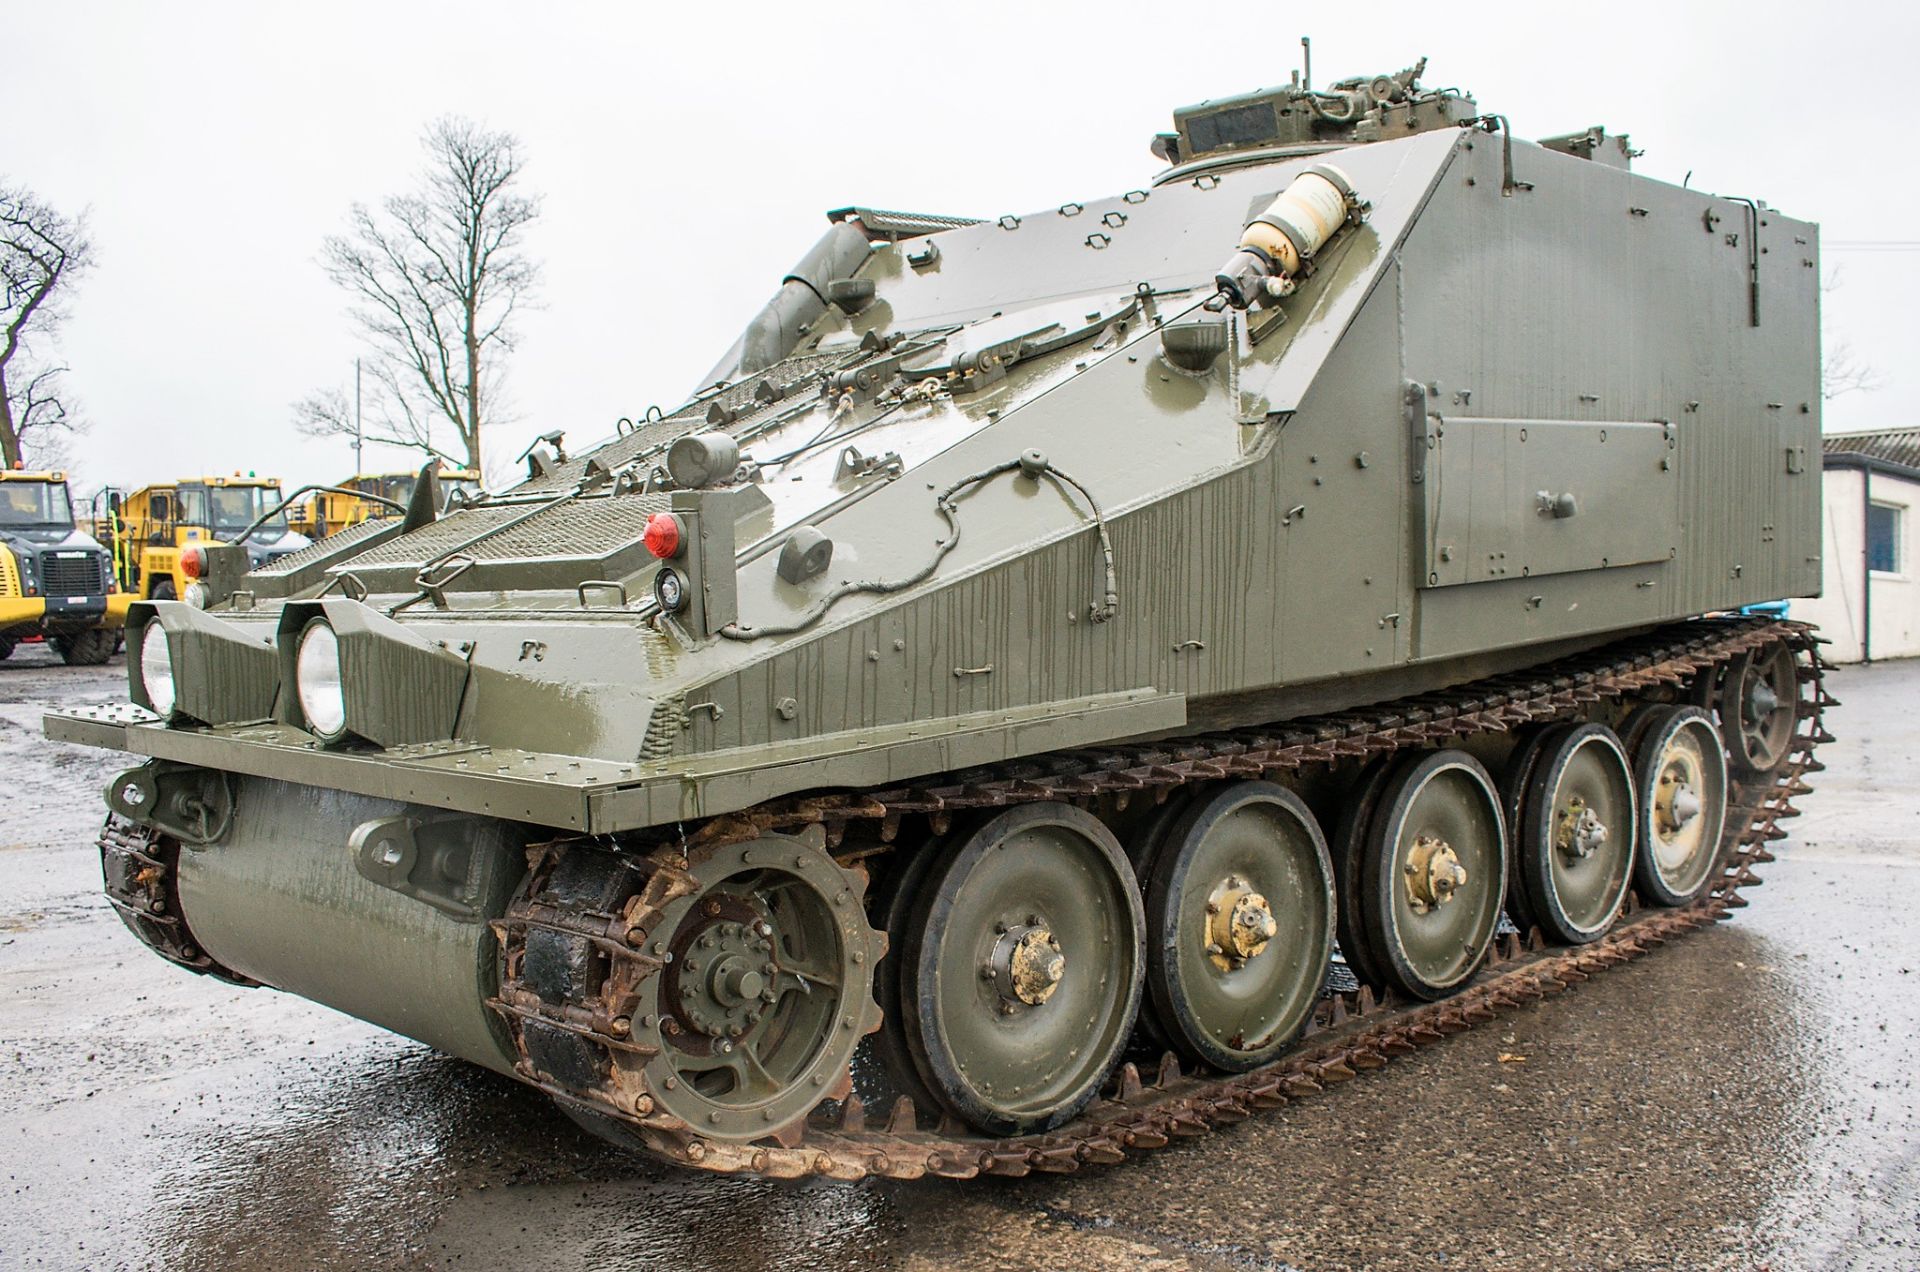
{"x":1744,"y":1098}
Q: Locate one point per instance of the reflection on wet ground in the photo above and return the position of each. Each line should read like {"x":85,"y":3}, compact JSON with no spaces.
{"x":1741,"y":1098}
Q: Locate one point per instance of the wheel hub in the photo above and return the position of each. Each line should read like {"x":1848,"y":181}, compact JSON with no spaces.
{"x":1027,"y":964}
{"x":1762,"y":701}
{"x":1240,"y":923}
{"x":1678,"y":803}
{"x":1579,"y":831}
{"x":726,"y":979}
{"x":1434,"y":874}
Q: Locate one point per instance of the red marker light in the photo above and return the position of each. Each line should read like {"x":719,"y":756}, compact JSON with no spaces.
{"x":664,"y":535}
{"x":193,"y":562}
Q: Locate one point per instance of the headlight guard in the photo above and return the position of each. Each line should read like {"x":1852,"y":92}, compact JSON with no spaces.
{"x":220,"y":672}
{"x":393,"y":686}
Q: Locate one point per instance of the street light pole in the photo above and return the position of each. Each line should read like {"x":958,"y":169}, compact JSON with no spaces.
{"x":359,"y":437}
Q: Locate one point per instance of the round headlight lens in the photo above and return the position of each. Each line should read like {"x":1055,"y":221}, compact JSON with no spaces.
{"x":670,"y":590}
{"x":156,"y":668}
{"x":316,"y":677}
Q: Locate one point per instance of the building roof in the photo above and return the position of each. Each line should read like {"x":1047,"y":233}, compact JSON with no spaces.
{"x":1899,"y":446}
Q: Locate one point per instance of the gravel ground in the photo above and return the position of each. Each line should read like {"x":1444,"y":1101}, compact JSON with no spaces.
{"x":1741,"y":1099}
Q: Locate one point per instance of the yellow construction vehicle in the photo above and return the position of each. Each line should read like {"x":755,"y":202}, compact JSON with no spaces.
{"x":153,"y":528}
{"x":330,"y":511}
{"x":56,"y":582}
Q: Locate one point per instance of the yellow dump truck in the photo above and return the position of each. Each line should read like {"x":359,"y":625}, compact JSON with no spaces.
{"x":331,"y":511}
{"x":151,"y":528}
{"x":56,"y":581}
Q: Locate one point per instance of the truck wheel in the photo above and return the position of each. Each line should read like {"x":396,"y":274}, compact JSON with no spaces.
{"x":86,"y":649}
{"x":6,"y":647}
{"x":162,"y":591}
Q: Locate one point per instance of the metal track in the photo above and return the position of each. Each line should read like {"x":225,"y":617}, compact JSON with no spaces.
{"x":1351,"y":1032}
{"x":140,"y":866}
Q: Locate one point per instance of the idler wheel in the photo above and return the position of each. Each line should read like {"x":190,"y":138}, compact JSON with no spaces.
{"x":1759,"y":702}
{"x":1239,"y":925}
{"x":1680,"y":787}
{"x":1020,"y":979}
{"x":1575,"y":835}
{"x":1433,"y":872}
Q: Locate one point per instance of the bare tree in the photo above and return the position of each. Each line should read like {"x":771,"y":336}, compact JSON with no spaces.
{"x":436,"y":277}
{"x":41,"y":253}
{"x":1841,"y":370}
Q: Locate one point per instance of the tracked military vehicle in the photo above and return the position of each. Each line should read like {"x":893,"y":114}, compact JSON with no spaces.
{"x":1062,"y":681}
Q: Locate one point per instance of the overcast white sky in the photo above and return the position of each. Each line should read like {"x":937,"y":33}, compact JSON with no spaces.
{"x":686,"y":153}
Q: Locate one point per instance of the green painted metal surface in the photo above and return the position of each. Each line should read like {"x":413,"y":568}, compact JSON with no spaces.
{"x":1524,"y":402}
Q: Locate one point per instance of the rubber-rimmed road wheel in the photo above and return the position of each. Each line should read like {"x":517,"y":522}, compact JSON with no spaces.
{"x":890,"y":908}
{"x":1759,"y":704}
{"x":1022,"y":973}
{"x":1348,"y":848}
{"x":1239,"y":925}
{"x":1434,"y":872}
{"x":1680,"y":785}
{"x":1513,"y":793}
{"x":1574,"y":840}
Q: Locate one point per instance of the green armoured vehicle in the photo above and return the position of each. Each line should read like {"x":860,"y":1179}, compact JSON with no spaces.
{"x":1186,"y":620}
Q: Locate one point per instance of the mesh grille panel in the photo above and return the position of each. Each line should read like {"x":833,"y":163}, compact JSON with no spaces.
{"x":320,"y":548}
{"x":590,"y":527}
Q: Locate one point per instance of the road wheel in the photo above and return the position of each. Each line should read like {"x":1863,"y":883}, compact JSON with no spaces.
{"x":86,"y":649}
{"x":1759,"y":702}
{"x":1348,"y":849}
{"x":1574,"y":839}
{"x":1513,"y":790}
{"x":890,"y":909}
{"x":1239,"y":925}
{"x":1434,"y":872}
{"x":1022,"y":969}
{"x":162,"y":591}
{"x":1680,"y":785}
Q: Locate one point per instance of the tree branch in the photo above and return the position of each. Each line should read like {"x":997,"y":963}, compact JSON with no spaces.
{"x":437,"y":278}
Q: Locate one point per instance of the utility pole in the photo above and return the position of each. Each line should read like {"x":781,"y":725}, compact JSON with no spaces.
{"x":359,"y":437}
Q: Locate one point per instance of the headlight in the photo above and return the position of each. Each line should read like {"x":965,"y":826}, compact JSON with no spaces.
{"x":670,"y":589}
{"x":316,"y":677}
{"x":156,"y":668}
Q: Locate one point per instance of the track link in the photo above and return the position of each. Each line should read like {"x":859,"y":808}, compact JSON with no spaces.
{"x":1351,"y":1032}
{"x":141,"y":869}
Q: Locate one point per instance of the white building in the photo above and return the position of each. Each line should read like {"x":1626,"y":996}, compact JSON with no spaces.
{"x":1870,"y":608}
